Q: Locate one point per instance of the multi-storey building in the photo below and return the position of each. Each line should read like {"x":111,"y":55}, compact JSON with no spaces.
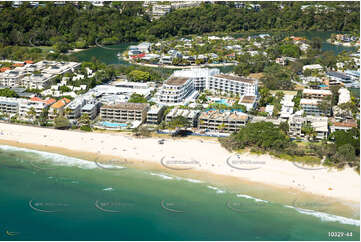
{"x":199,"y":76}
{"x":155,"y":113}
{"x":175,"y":90}
{"x":319,"y":124}
{"x":316,"y":93}
{"x":36,"y":81}
{"x":91,"y":109}
{"x":11,"y":78}
{"x":224,"y":121}
{"x":312,"y":107}
{"x":124,"y":112}
{"x":9,"y":105}
{"x":233,"y":84}
{"x":34,"y":104}
{"x":190,"y":115}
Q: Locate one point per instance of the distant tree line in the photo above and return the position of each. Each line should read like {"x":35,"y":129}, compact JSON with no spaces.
{"x":70,"y":26}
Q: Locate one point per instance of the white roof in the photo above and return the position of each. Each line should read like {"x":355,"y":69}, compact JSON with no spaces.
{"x":317,"y":91}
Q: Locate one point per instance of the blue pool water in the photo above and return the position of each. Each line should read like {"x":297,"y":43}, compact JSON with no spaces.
{"x":113,"y":125}
{"x":222,"y":101}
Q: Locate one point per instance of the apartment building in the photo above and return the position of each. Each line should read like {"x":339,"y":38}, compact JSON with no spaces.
{"x":312,"y":107}
{"x":154,"y":114}
{"x":36,"y":104}
{"x":124,"y":112}
{"x":320,"y":125}
{"x":75,"y":107}
{"x":10,"y":78}
{"x":91,"y":109}
{"x":233,"y":84}
{"x":199,"y":76}
{"x":9,"y":105}
{"x":175,"y":90}
{"x":190,"y":115}
{"x":159,"y":10}
{"x":36,"y":81}
{"x":316,"y":93}
{"x":223,"y":121}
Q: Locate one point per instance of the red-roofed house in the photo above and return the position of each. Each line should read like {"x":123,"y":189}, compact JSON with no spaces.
{"x":58,"y":107}
{"x":18,"y":64}
{"x":3,"y":69}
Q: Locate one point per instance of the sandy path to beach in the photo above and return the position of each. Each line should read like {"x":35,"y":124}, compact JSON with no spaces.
{"x":202,"y":155}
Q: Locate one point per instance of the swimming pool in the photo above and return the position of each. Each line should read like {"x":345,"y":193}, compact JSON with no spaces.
{"x":113,"y":125}
{"x":222,"y":101}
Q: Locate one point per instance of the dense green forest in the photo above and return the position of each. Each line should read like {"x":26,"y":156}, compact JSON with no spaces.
{"x":70,"y":26}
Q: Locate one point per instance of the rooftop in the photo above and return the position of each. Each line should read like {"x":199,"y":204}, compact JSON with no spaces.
{"x":127,"y":106}
{"x":235,"y":78}
{"x":177,"y":81}
{"x":248,"y":99}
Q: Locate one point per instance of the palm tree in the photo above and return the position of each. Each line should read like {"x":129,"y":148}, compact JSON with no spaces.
{"x":31,"y":113}
{"x":309,"y":131}
{"x":84,"y":119}
{"x":67,"y":111}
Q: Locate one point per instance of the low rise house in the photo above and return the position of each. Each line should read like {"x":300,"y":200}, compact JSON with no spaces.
{"x":316,"y":67}
{"x":269,"y":109}
{"x":58,"y":108}
{"x":345,"y":125}
{"x":287,"y":106}
{"x":248,"y":101}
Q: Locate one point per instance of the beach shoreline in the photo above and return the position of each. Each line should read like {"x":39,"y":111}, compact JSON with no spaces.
{"x":205,"y":158}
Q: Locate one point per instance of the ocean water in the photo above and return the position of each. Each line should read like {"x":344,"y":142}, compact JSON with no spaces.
{"x":47,"y":196}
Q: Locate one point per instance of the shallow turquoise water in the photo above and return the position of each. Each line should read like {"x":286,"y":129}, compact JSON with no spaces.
{"x":46,"y":196}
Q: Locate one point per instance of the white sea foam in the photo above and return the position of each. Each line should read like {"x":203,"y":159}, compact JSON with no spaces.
{"x":108,"y":189}
{"x":52,"y":157}
{"x":216,"y":189}
{"x":253,"y":198}
{"x":326,"y":216}
{"x":162,"y":176}
{"x":189,"y":180}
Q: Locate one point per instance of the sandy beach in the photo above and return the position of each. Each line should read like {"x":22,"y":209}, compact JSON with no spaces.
{"x":191,"y":155}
